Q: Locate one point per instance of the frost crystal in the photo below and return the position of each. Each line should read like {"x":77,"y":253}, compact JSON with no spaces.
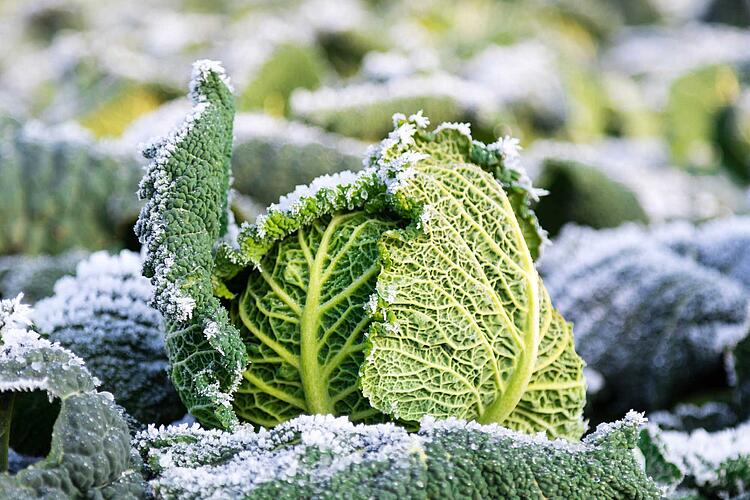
{"x":103,"y":315}
{"x":14,"y":315}
{"x":509,"y":148}
{"x":718,"y":463}
{"x":463,"y":128}
{"x":323,"y":456}
{"x":201,"y":70}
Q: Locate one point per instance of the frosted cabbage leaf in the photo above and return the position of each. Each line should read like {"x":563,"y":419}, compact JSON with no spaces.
{"x":464,"y":324}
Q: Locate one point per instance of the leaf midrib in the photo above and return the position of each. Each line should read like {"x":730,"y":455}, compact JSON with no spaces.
{"x":505,"y":403}
{"x":313,"y":375}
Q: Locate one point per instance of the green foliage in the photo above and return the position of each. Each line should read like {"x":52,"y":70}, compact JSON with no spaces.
{"x":186,"y":185}
{"x":732,"y":135}
{"x":643,"y":313}
{"x":89,"y":452}
{"x":299,"y":282}
{"x":47,"y":21}
{"x":346,"y":49}
{"x":112,"y":117}
{"x":728,"y":12}
{"x":614,"y":180}
{"x":583,"y":195}
{"x":712,"y":464}
{"x":296,"y":283}
{"x":102,"y":315}
{"x":464,"y":325}
{"x":695,"y":101}
{"x":656,"y":465}
{"x":303,"y":321}
{"x":58,"y":190}
{"x":271,"y":157}
{"x":723,"y":245}
{"x":326,"y":457}
{"x":741,"y":365}
{"x":288,"y":68}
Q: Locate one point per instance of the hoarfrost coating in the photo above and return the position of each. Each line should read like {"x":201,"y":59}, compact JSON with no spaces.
{"x":318,"y":455}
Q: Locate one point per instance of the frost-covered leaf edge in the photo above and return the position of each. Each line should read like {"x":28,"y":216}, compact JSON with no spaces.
{"x":191,"y":311}
{"x":36,"y":364}
{"x":188,"y":459}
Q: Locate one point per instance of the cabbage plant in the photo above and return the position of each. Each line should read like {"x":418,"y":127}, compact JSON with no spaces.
{"x":404,"y":290}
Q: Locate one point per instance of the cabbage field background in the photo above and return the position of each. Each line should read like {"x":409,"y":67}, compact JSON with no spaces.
{"x":632,"y":120}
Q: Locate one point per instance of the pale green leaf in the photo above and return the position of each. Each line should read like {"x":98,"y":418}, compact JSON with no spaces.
{"x":303,"y":320}
{"x":465,"y":326}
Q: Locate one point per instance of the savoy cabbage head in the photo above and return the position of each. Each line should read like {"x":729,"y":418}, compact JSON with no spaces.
{"x":407,"y":289}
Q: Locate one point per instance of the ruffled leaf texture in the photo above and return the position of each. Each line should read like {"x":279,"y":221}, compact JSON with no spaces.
{"x":301,"y":279}
{"x":186,"y":187}
{"x":90,"y":454}
{"x":303,"y":321}
{"x":464,"y":326}
{"x":704,"y":464}
{"x":656,"y":310}
{"x":722,"y":245}
{"x":60,"y":190}
{"x":103,"y":315}
{"x":326,"y":457}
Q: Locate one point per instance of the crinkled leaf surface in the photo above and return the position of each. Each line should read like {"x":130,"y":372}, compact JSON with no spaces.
{"x":303,"y":321}
{"x":60,"y":190}
{"x":326,"y":457}
{"x":303,"y":274}
{"x":90,"y":454}
{"x":301,"y":277}
{"x":186,"y":185}
{"x":466,"y":326}
{"x":102,"y":314}
{"x":644,"y":313}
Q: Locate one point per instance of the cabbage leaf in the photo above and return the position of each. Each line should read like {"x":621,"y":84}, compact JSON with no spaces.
{"x":465,"y":326}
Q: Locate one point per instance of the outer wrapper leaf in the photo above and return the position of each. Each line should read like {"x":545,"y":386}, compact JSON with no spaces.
{"x":464,"y":324}
{"x":186,"y":186}
{"x":326,"y":457}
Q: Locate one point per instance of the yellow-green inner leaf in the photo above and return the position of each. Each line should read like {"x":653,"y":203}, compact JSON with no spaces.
{"x":467,"y":328}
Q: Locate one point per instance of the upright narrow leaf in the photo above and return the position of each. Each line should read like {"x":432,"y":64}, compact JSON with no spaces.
{"x":186,"y":186}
